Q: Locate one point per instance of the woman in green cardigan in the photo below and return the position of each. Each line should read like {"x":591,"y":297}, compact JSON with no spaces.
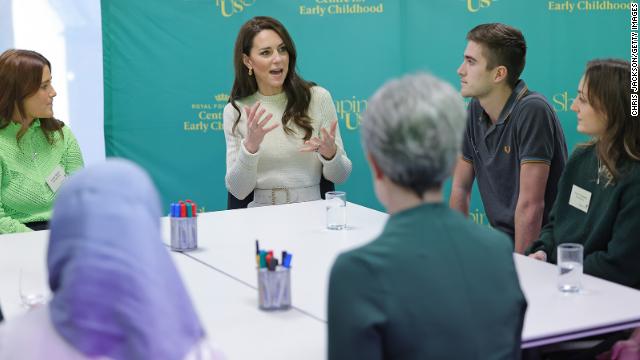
{"x":37,"y":151}
{"x":598,"y":203}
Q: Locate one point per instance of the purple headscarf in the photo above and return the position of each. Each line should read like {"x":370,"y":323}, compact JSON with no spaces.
{"x":116,"y":291}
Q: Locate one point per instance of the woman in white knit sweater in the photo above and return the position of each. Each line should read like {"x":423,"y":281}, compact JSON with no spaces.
{"x":281,"y":131}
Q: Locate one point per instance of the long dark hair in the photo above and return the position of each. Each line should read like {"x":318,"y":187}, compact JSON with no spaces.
{"x":608,"y":91}
{"x":21,"y":77}
{"x":296,"y":88}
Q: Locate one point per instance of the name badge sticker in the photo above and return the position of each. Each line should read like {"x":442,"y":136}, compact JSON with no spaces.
{"x":56,"y":178}
{"x":580,"y":198}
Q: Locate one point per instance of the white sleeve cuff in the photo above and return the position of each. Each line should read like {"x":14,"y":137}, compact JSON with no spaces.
{"x":246,"y":158}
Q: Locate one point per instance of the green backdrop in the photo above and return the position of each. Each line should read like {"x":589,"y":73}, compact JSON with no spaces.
{"x":168,"y":69}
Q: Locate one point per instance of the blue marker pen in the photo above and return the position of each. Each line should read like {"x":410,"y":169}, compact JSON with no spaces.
{"x":173,"y":210}
{"x":287,"y":261}
{"x":176,"y":210}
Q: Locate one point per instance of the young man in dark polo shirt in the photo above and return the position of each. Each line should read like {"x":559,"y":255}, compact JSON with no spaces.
{"x":513,"y":142}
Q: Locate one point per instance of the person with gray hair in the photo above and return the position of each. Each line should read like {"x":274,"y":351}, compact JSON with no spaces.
{"x":432,"y":280}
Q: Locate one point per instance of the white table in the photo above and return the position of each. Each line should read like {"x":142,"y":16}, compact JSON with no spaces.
{"x":227,"y":308}
{"x":221,"y":279}
{"x":553,"y":317}
{"x":227,"y":243}
{"x":229,"y":312}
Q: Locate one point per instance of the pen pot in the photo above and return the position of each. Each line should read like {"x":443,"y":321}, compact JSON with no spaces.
{"x":184,"y":233}
{"x":274,"y":288}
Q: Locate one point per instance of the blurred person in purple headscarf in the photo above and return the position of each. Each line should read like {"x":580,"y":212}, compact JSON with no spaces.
{"x":116,"y":292}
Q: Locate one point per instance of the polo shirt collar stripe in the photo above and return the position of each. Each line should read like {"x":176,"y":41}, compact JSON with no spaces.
{"x":518,"y":92}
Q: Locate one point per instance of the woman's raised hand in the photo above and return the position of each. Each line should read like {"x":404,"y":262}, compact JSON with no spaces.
{"x":256,"y":127}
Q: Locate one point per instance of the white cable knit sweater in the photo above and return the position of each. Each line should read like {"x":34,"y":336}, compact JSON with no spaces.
{"x":278,"y":163}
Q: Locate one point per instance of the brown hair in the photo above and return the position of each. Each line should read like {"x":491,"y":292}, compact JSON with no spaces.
{"x":21,"y":77}
{"x":608,"y":91}
{"x":504,"y":45}
{"x":297,"y":89}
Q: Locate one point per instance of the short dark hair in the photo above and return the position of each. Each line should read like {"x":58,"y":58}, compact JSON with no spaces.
{"x":504,"y":45}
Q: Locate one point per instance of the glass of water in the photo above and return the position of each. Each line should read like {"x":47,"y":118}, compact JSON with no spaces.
{"x":336,"y":210}
{"x":32,"y":290}
{"x":569,"y":267}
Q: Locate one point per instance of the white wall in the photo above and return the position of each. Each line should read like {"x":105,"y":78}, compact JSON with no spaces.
{"x":69,"y":34}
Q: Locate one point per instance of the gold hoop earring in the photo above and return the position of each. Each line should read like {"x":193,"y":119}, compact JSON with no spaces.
{"x":250,"y":71}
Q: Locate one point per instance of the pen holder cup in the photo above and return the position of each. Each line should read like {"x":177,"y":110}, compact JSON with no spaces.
{"x":274,"y":288}
{"x":184,"y":233}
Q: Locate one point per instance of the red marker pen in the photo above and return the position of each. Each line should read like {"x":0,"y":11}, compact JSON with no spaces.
{"x":183,"y":210}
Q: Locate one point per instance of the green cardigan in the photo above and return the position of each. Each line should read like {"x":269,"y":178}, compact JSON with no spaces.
{"x":433,"y":285}
{"x":609,"y":230}
{"x":24,"y":194}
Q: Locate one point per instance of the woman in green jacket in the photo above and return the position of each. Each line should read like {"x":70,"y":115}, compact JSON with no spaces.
{"x":432,"y":285}
{"x":598,"y":202}
{"x":37,"y":151}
